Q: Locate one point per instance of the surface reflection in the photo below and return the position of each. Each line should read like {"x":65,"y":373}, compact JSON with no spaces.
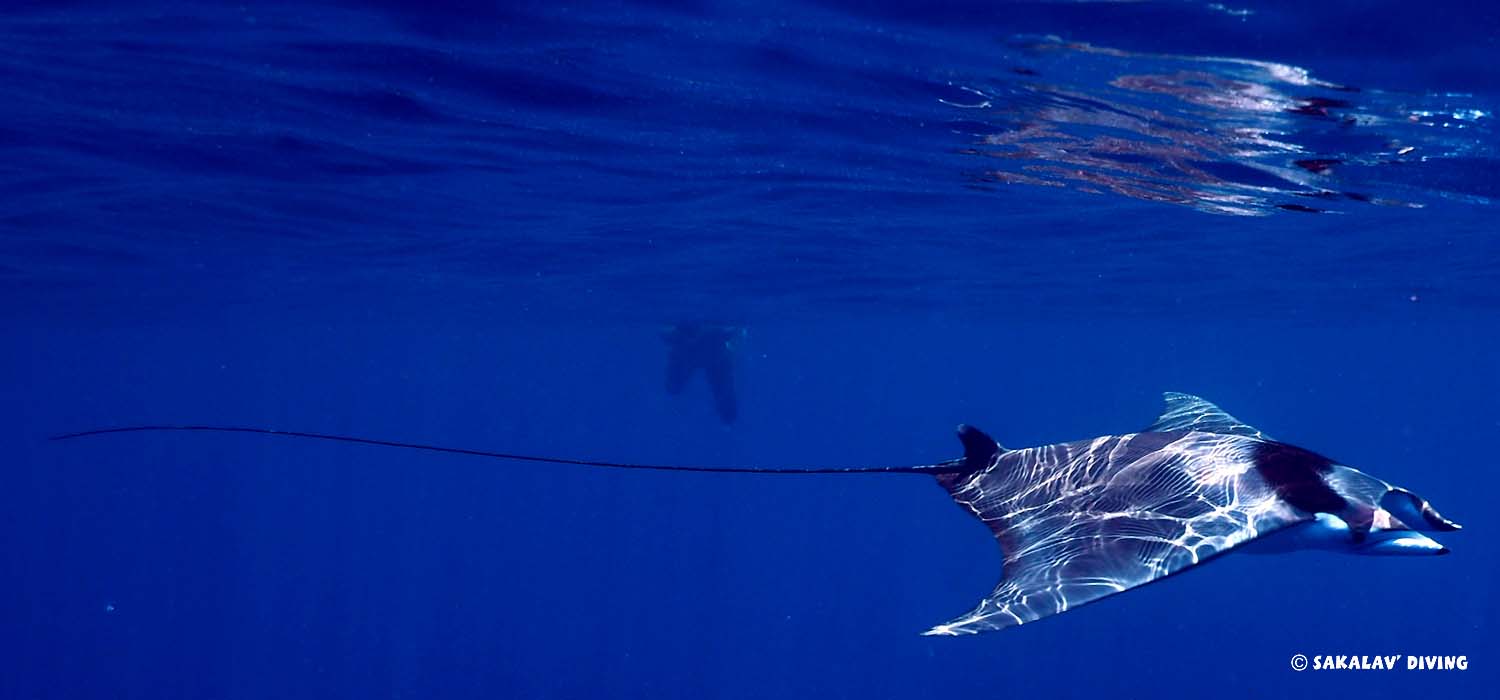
{"x":1222,"y":135}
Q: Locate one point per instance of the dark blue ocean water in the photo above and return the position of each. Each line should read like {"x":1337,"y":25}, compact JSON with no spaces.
{"x":466,"y":223}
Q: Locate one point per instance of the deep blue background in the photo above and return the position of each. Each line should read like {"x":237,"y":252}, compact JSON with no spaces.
{"x":464,"y":223}
{"x":255,"y":567}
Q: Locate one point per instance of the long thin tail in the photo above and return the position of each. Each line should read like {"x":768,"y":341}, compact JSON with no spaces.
{"x":947,"y":467}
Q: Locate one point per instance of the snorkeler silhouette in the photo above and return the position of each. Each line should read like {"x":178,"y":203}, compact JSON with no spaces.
{"x":709,"y":347}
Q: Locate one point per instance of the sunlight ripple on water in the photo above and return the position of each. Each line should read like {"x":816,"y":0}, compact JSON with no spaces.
{"x":1223,"y":135}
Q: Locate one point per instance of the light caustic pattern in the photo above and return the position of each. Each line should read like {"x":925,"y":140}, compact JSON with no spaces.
{"x":1083,"y":520}
{"x":1079,"y":521}
{"x":1222,"y":135}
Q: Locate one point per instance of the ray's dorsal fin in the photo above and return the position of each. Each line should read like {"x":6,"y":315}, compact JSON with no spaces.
{"x":980,"y":450}
{"x":1188,"y":412}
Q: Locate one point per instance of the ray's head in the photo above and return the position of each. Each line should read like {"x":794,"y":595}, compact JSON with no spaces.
{"x":1385,"y":519}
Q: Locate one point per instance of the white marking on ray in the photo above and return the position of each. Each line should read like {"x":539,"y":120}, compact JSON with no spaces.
{"x":1081,"y":521}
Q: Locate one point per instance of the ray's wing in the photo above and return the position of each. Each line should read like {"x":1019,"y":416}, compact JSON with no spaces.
{"x":1080,"y":521}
